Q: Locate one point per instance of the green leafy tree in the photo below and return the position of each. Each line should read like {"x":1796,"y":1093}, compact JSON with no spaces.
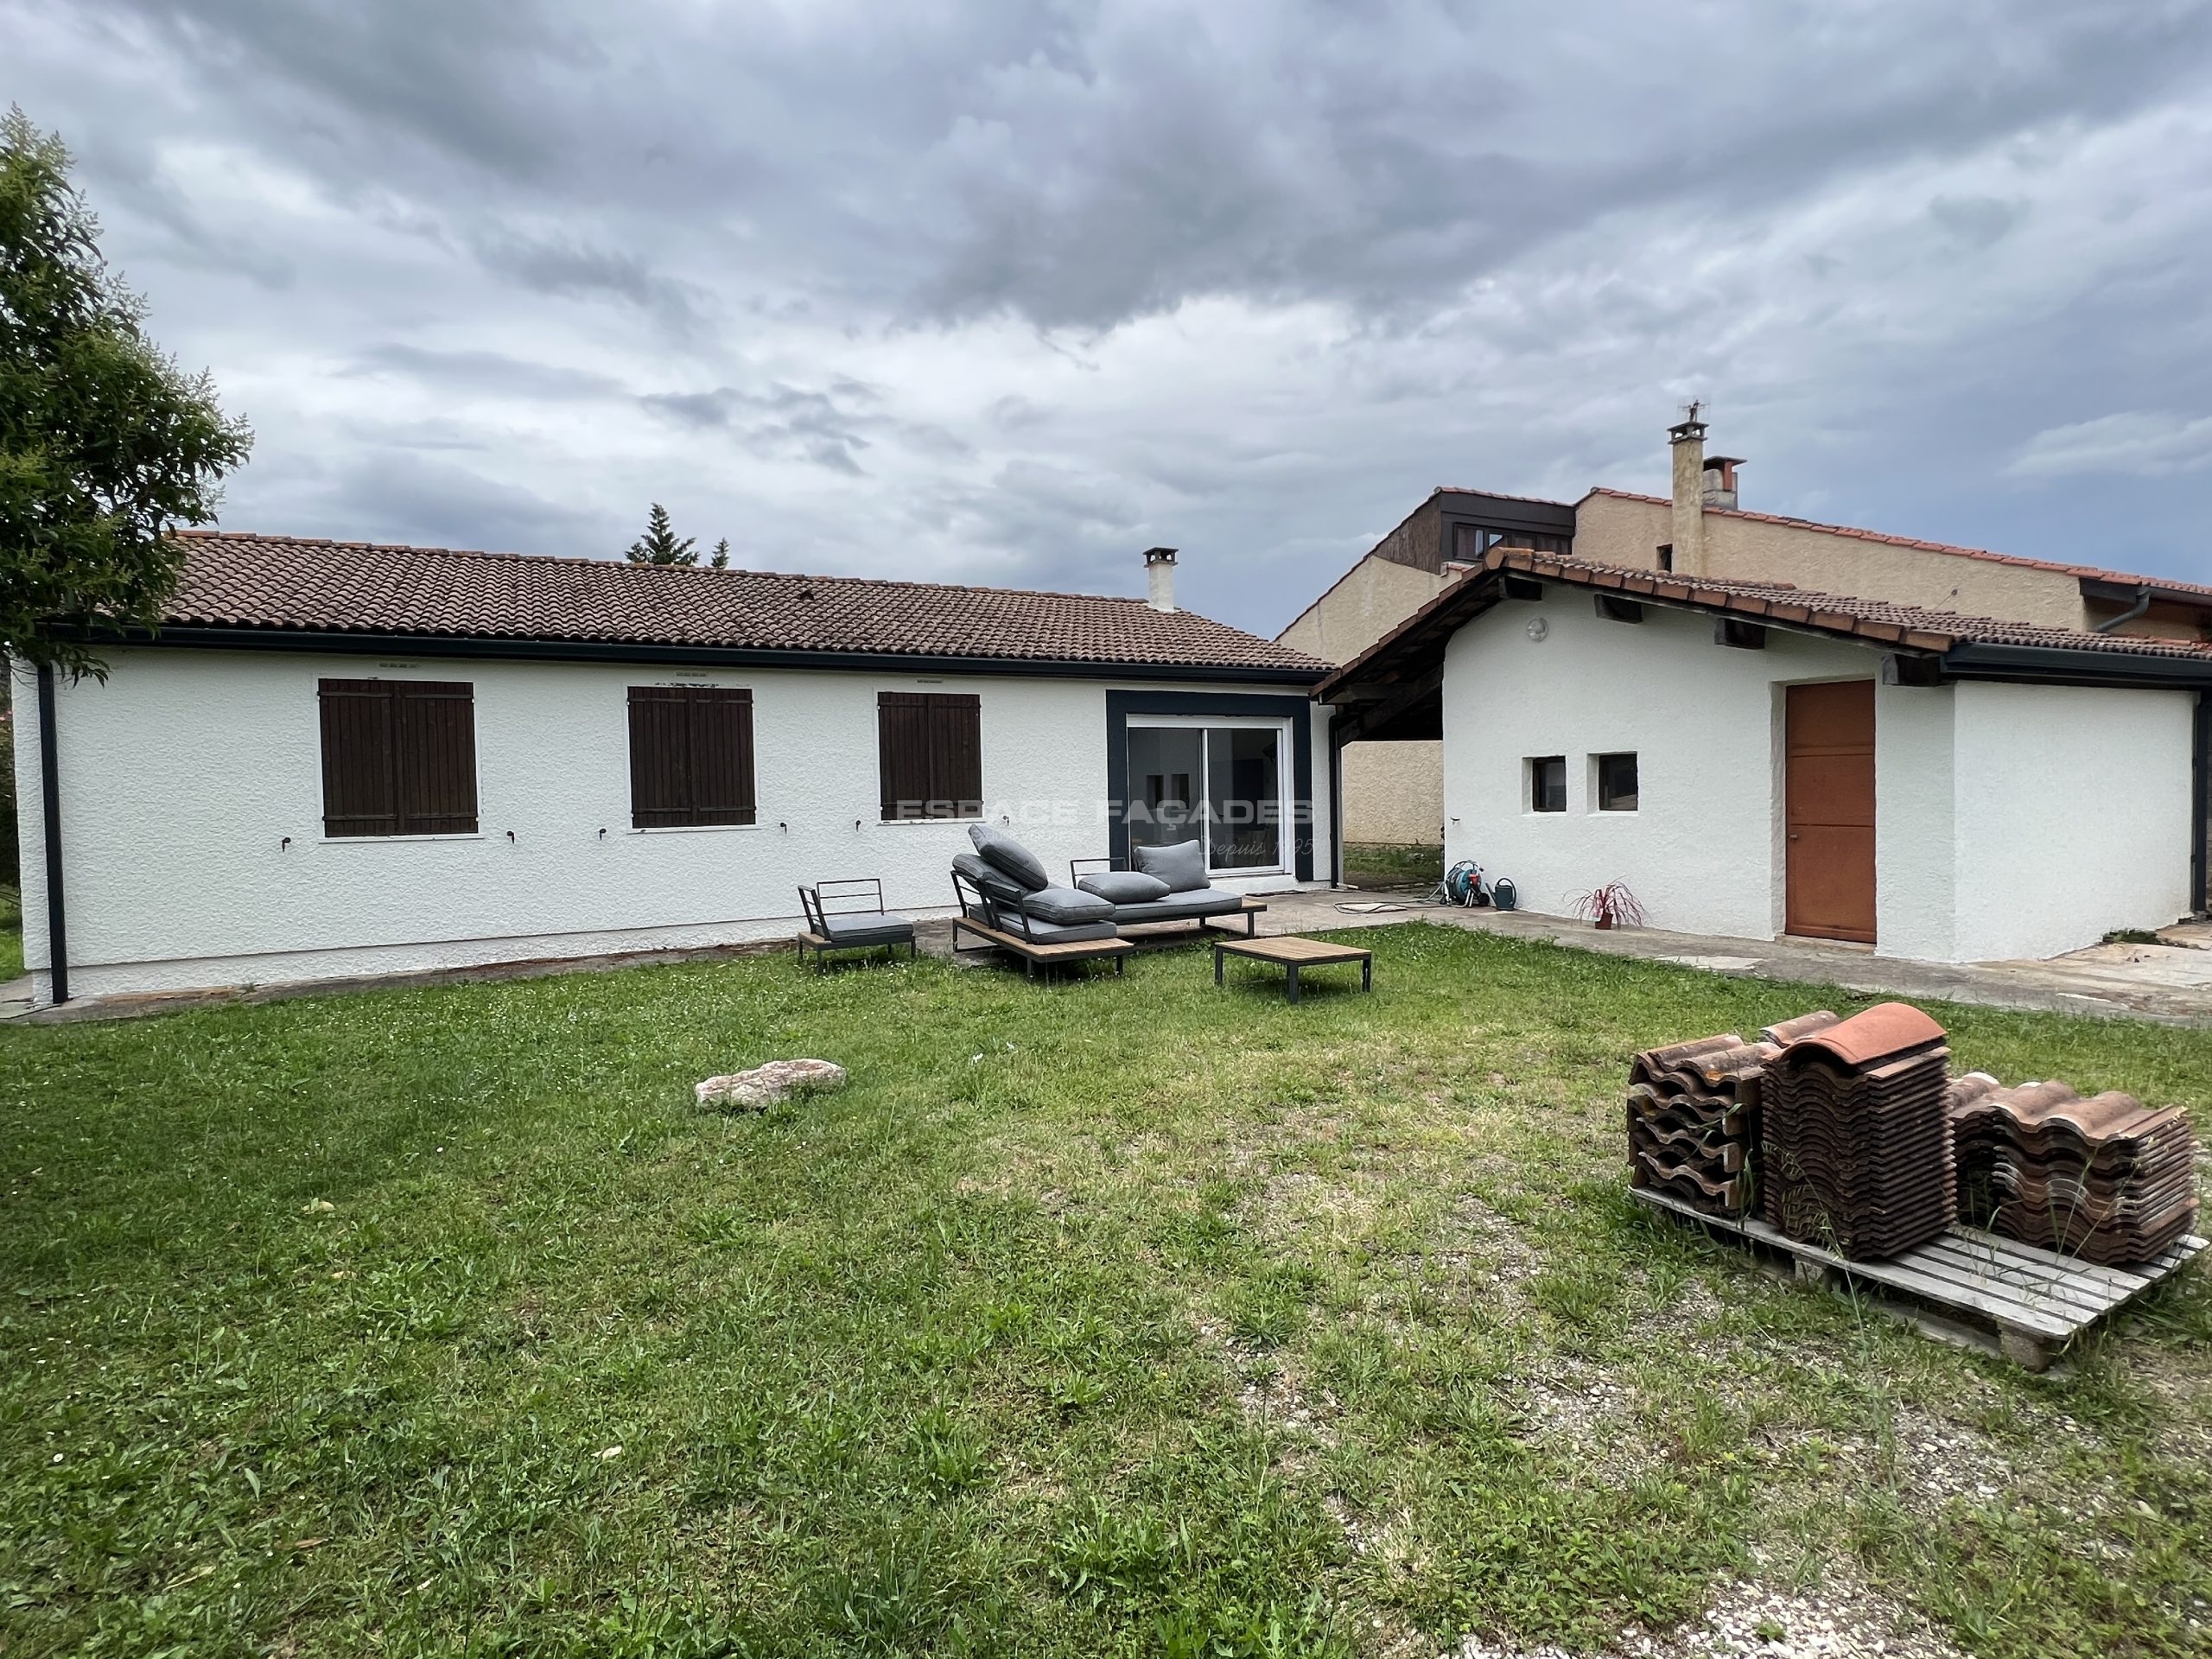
{"x":104,"y":443}
{"x":660,"y":544}
{"x":720,"y":560}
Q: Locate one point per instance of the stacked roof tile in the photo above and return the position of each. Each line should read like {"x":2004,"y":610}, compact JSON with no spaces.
{"x":291,"y":583}
{"x":1855,"y":1135}
{"x":2106,"y":1179}
{"x":1691,"y":1128}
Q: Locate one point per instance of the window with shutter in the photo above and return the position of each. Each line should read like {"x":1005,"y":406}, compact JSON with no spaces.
{"x":690,"y":755}
{"x":930,"y":748}
{"x":398,"y":757}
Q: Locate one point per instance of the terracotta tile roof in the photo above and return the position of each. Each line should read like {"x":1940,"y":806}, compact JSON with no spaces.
{"x":248,"y":581}
{"x":1415,"y":646}
{"x":1916,"y":626}
{"x":2082,"y":572}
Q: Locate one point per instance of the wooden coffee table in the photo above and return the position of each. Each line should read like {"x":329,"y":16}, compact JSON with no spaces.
{"x":1291,"y":953}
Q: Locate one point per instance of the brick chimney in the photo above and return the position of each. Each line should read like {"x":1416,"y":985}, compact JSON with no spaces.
{"x":1160,"y":578}
{"x":1688,"y":440}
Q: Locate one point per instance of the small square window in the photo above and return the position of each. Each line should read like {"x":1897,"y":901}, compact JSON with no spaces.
{"x":1616,"y":783}
{"x":1548,"y":783}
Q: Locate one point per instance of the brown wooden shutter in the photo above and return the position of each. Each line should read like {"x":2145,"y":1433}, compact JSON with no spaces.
{"x":359,"y":791}
{"x":720,"y":731}
{"x":903,"y":752}
{"x":931,"y":753}
{"x":955,"y":756}
{"x":398,"y":757}
{"x":435,"y":721}
{"x":690,"y":755}
{"x":660,"y":757}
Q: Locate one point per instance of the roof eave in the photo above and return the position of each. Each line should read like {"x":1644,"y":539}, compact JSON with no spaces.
{"x":349,"y":642}
{"x":2062,"y":665}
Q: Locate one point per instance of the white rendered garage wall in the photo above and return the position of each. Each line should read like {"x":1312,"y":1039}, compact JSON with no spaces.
{"x":1915,"y":827}
{"x":2073,"y":808}
{"x":184,"y":774}
{"x":1702,"y":850}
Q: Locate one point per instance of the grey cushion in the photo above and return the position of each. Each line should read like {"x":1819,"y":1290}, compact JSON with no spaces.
{"x":1002,"y":852}
{"x":1067,"y":906}
{"x":1182,"y":866}
{"x":1124,"y":886}
{"x":1180,"y":907}
{"x":868,"y":930}
{"x":994,"y":882}
{"x":1054,"y":933}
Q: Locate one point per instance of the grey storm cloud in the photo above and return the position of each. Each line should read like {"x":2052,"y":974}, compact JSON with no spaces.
{"x":987,"y":291}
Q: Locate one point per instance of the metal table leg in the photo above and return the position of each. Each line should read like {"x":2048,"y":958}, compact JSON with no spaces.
{"x":1293,"y":971}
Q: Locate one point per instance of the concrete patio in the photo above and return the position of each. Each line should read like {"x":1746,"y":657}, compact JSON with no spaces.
{"x":2169,"y":982}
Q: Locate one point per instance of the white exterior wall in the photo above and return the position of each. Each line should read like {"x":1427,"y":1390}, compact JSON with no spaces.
{"x":2073,"y":815}
{"x":1702,"y":851}
{"x":2010,"y":820}
{"x":183,"y":775}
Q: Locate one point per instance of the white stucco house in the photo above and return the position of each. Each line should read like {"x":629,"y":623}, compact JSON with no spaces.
{"x":1757,"y":760}
{"x":335,"y":758}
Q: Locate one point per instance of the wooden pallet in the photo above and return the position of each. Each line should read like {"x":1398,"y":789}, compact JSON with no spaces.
{"x":2034,"y":1301}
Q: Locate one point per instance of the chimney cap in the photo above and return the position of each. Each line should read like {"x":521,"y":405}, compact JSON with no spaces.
{"x":1713,"y":463}
{"x":1160,"y":556}
{"x":1692,"y":428}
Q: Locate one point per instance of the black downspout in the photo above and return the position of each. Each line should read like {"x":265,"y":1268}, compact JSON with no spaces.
{"x":49,"y":778}
{"x":2200,"y":798}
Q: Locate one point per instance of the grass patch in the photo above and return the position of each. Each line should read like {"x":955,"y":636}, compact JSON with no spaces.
{"x":1375,"y":864}
{"x":11,"y":933}
{"x":441,"y":1321}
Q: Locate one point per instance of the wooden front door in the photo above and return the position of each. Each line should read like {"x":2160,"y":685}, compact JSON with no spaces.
{"x":1830,"y":811}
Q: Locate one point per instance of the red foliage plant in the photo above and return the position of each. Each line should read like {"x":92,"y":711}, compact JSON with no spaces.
{"x":1608,"y":907}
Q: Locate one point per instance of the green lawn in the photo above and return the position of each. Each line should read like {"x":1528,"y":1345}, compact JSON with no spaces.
{"x":1127,"y":1317}
{"x":11,"y":933}
{"x":1376,"y":864}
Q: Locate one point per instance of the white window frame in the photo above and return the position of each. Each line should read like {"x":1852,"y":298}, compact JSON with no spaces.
{"x":1284,"y":776}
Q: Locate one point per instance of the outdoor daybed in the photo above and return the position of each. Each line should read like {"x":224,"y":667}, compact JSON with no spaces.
{"x":1006,"y":898}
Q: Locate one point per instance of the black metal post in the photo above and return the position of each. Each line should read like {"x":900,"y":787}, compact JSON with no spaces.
{"x":2199,"y":803}
{"x":49,"y":778}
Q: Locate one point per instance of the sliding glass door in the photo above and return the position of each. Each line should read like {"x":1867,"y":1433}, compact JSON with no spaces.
{"x":1219,"y":780}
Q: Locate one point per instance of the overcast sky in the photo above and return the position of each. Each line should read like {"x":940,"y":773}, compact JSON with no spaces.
{"x":1007,"y":293}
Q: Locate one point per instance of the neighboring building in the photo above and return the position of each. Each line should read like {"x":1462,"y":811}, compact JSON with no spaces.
{"x":339,"y":759}
{"x":1393,"y":791}
{"x":1755,"y":760}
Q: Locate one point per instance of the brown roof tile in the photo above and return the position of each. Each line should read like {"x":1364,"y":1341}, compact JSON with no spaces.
{"x":1417,"y":643}
{"x":1916,"y":625}
{"x":233,"y":580}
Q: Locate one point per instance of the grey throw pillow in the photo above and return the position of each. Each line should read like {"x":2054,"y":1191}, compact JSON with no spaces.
{"x":1066,"y":906}
{"x":1124,"y":886}
{"x":1182,"y":866}
{"x":997,"y":883}
{"x":1002,"y":851}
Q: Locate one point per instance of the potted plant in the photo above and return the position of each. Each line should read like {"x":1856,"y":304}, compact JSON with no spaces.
{"x":1609,"y":906}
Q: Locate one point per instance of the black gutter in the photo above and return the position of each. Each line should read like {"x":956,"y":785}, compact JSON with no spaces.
{"x":2068,"y":665}
{"x":49,"y":778}
{"x":603,"y":651}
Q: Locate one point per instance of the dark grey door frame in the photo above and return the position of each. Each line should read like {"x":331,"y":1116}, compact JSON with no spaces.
{"x":1120,"y":705}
